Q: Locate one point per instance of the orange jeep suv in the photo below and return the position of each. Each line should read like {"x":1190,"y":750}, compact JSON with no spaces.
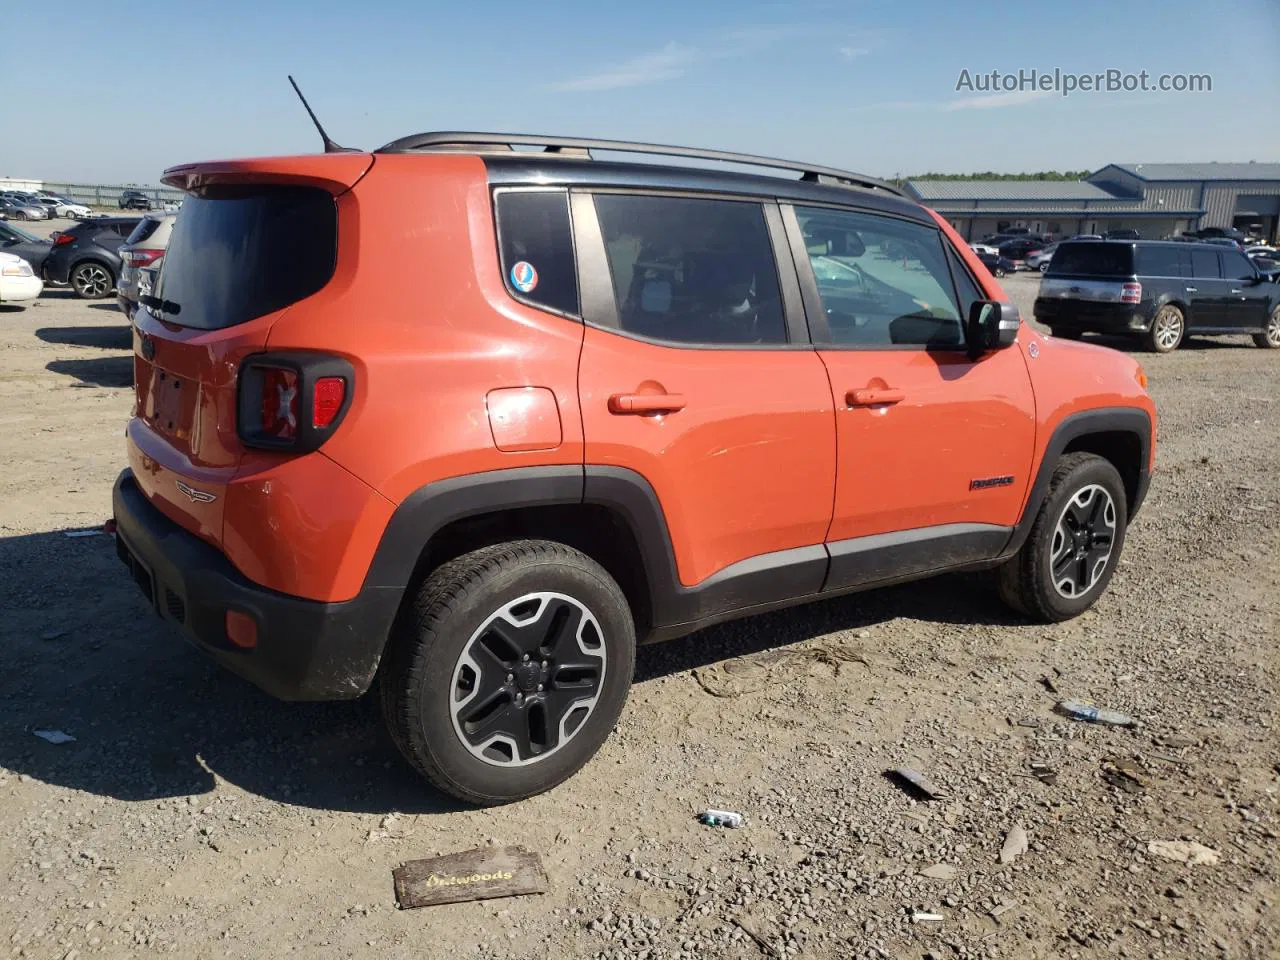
{"x":475,"y":414}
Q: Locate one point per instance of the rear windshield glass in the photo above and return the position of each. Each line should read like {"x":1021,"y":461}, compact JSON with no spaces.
{"x":246,"y":252}
{"x":1094,"y":258}
{"x":145,"y":228}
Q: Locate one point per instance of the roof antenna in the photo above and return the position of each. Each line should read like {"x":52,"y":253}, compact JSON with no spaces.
{"x":329,"y":145}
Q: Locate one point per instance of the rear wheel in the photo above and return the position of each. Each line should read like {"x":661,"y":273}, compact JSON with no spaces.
{"x":999,"y":272}
{"x":1269,"y":339}
{"x":1167,"y":329}
{"x":1044,"y":266}
{"x":1074,"y":545}
{"x":509,"y":671}
{"x":91,"y":280}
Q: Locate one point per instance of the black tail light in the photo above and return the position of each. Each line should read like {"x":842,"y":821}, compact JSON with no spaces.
{"x":292,"y":401}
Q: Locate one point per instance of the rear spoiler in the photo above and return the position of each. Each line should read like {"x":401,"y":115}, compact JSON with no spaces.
{"x":335,"y":172}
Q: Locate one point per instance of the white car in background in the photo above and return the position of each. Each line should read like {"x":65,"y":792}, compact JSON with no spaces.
{"x":62,"y":207}
{"x":984,"y":249}
{"x":17,"y":280}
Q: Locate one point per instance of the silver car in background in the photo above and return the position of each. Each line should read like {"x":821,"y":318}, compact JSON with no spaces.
{"x":140,"y":257}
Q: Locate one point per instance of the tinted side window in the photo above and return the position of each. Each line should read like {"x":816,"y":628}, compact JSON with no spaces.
{"x":1159,"y":262}
{"x":536,"y":244}
{"x":966,"y":288}
{"x":1204,"y":264}
{"x":1093,"y":258}
{"x":882,"y":281}
{"x":1236,"y":266}
{"x":692,"y":271}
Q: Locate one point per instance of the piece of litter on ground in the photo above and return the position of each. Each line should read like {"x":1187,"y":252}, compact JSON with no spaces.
{"x":915,"y":783}
{"x":1077,"y":710}
{"x":473,"y":875}
{"x":920,"y":916}
{"x":81,"y":533}
{"x":1125,"y":774}
{"x":1048,"y":681}
{"x":940,"y":871}
{"x":1015,"y":844}
{"x":1184,"y":851}
{"x":54,"y":736}
{"x":1044,"y":773}
{"x":721,"y":818}
{"x":997,"y":912}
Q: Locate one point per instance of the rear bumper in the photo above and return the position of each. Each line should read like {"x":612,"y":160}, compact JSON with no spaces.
{"x":1088,"y":316}
{"x":306,"y":650}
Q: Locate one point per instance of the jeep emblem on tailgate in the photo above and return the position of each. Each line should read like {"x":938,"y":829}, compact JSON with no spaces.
{"x":197,"y":496}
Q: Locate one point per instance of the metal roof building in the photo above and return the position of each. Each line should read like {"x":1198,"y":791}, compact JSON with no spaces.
{"x":1156,"y":199}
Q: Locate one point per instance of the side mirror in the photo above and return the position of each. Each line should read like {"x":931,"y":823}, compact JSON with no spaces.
{"x":992,"y":325}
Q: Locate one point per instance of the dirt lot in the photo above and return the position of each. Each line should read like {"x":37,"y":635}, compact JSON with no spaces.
{"x":196,"y":817}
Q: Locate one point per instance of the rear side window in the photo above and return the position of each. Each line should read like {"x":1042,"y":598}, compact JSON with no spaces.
{"x":1163,"y":262}
{"x":692,"y":271}
{"x":536,"y":245}
{"x":1094,"y":258}
{"x":245,"y":252}
{"x":1204,"y":264}
{"x":145,"y":228}
{"x":1236,"y":266}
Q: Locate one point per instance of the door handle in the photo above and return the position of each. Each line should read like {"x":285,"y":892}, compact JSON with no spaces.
{"x":1235,"y":291}
{"x":871,"y":397}
{"x":1192,"y":290}
{"x":623,"y":403}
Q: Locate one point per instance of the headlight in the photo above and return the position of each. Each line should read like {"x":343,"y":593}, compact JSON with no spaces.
{"x":17,"y":270}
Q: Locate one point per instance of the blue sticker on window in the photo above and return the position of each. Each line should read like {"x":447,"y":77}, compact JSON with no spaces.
{"x":523,"y":277}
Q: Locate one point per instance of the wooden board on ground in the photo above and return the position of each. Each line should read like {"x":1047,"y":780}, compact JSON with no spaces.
{"x":474,"y":875}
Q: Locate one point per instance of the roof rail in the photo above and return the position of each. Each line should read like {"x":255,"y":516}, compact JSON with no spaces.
{"x":447,"y":141}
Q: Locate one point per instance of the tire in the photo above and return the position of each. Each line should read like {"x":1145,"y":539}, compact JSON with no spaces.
{"x":1085,"y":486}
{"x":466,"y":617}
{"x":1168,"y":328}
{"x":91,"y":280}
{"x":999,"y":272}
{"x":1269,"y":339}
{"x":1061,"y":334}
{"x":1044,"y":267}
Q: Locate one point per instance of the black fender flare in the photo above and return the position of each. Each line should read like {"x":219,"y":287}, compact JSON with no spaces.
{"x":1132,"y":420}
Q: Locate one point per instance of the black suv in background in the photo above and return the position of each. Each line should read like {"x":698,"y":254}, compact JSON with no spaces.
{"x":1159,"y":291}
{"x":134,"y":200}
{"x":87,"y":257}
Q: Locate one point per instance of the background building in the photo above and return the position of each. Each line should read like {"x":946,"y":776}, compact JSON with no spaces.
{"x":1156,"y":199}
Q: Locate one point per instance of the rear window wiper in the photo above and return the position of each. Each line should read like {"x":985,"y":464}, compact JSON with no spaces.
{"x":164,"y":306}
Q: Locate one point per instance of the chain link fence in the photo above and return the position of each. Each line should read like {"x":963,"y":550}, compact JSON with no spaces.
{"x":108,"y":195}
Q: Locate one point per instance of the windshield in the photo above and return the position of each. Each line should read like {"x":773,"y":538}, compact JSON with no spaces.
{"x":8,"y":229}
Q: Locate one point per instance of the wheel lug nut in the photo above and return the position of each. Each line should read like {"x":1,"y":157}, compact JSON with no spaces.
{"x":519,"y":698}
{"x":510,"y":677}
{"x":544,"y":664}
{"x":539,"y":688}
{"x":525,"y":658}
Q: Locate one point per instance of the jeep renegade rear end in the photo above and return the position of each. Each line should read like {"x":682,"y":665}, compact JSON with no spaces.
{"x":475,"y":421}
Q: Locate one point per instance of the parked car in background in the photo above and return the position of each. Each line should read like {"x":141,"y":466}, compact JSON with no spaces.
{"x":60,"y":207}
{"x":1224,"y":242}
{"x":18,"y":281}
{"x":19,"y":209}
{"x":134,"y":200}
{"x":998,"y":265}
{"x":1157,"y":291}
{"x":1040,"y":259}
{"x":87,"y":256}
{"x":33,"y":249}
{"x":1019,"y":250}
{"x":1211,"y":233}
{"x":144,"y":247}
{"x":984,"y":248}
{"x":1122,"y":234}
{"x":1086,"y":236}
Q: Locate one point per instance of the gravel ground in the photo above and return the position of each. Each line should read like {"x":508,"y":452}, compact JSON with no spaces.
{"x":194,"y":816}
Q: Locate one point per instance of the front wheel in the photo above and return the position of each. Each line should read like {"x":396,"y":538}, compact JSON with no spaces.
{"x":1269,"y":339}
{"x":1167,"y":329}
{"x":509,"y":671}
{"x":1074,"y":545}
{"x":1044,"y":267}
{"x":91,"y":280}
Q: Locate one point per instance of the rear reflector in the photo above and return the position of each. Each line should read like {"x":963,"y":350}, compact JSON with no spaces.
{"x":1131,"y":293}
{"x":62,"y":239}
{"x":241,"y":630}
{"x":327,"y":400}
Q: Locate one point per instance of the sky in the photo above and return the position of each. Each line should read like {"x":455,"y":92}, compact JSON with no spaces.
{"x":867,"y":86}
